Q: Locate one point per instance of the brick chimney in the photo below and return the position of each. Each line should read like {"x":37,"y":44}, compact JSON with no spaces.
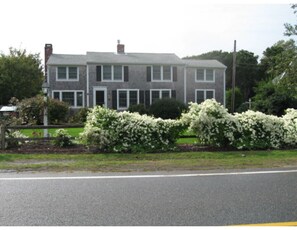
{"x":48,"y":50}
{"x":120,"y":48}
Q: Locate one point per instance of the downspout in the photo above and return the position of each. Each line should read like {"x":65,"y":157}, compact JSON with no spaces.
{"x":88,"y":90}
{"x":185,"y":84}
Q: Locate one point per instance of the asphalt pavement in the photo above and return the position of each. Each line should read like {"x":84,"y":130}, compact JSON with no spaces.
{"x":217,"y":198}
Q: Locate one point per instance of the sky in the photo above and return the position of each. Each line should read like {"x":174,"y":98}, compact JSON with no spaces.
{"x":183,"y":27}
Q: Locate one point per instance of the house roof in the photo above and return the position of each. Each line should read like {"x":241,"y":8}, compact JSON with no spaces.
{"x":133,"y":58}
{"x":204,"y":63}
{"x":67,"y":59}
{"x":130,"y":58}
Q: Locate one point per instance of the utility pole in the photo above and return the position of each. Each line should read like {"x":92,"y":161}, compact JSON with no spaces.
{"x":233,"y":79}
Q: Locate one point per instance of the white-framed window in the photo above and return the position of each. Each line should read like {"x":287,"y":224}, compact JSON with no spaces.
{"x":75,"y":98}
{"x":203,"y":94}
{"x":127,"y":97}
{"x":205,"y":75}
{"x":67,"y":73}
{"x":157,"y":94}
{"x":112,"y":73}
{"x":162,"y":73}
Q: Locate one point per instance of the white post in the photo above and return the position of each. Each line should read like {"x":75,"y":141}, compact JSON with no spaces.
{"x":45,"y":116}
{"x":45,"y":87}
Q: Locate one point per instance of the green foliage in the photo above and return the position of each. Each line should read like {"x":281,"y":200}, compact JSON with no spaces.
{"x":167,"y":108}
{"x":291,"y":29}
{"x":238,"y":98}
{"x":139,"y":108}
{"x":31,"y":110}
{"x":273,"y":98}
{"x":21,"y":75}
{"x":62,"y":138}
{"x":80,"y":116}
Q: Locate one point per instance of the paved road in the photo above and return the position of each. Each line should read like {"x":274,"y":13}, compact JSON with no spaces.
{"x":123,"y":199}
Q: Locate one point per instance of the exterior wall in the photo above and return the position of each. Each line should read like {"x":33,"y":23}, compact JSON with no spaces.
{"x":218,"y":85}
{"x":137,"y":80}
{"x":67,"y":85}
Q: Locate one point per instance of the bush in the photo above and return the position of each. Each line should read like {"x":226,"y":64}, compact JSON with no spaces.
{"x":63,"y":139}
{"x":80,"y":116}
{"x":12,"y":143}
{"x":139,"y":108}
{"x":129,"y":132}
{"x":212,"y":124}
{"x":31,"y":110}
{"x":259,"y":131}
{"x":167,"y":108}
{"x":290,"y":125}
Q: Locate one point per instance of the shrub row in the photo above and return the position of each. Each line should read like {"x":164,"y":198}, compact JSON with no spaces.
{"x":214,"y":126}
{"x":129,"y":132}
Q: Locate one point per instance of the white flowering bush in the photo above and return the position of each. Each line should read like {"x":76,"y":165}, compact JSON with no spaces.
{"x":212,"y":124}
{"x":290,"y":125}
{"x":11,"y":143}
{"x":62,"y":138}
{"x":114,"y":131}
{"x":259,"y":131}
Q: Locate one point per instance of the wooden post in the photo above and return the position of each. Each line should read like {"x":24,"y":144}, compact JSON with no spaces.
{"x":2,"y":136}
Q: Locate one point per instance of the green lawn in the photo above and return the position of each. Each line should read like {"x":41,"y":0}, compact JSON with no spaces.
{"x":74,"y":132}
{"x":112,"y":162}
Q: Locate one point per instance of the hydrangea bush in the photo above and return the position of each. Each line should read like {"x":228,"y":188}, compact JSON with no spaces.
{"x":290,"y":125}
{"x":212,"y":124}
{"x":259,"y":131}
{"x":114,"y":131}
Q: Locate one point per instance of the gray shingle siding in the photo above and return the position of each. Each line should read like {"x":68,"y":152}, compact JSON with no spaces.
{"x":138,"y":63}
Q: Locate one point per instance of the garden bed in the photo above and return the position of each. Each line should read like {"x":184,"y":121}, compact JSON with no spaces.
{"x":45,"y":147}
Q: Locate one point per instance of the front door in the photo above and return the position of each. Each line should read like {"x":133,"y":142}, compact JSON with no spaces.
{"x":100,"y":97}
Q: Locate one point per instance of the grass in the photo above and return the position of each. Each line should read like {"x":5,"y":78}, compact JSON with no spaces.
{"x":74,"y":132}
{"x":148,"y":162}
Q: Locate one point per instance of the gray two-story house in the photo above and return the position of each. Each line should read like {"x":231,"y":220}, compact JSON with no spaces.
{"x":119,"y":80}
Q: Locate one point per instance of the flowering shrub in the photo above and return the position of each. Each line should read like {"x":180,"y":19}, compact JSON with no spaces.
{"x":290,"y":125}
{"x":11,"y":143}
{"x":259,"y":130}
{"x":63,"y":139}
{"x":212,"y":124}
{"x":125,"y":132}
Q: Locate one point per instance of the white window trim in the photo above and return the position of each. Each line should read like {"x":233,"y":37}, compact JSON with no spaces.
{"x":162,"y":73}
{"x":204,"y":93}
{"x":128,"y":98}
{"x":160,"y":93}
{"x":204,"y":76}
{"x":67,"y":74}
{"x":75,"y":96}
{"x":112,"y":74}
{"x":100,"y":88}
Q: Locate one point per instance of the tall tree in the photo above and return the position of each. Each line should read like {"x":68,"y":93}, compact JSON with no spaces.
{"x":21,"y":75}
{"x":291,"y":29}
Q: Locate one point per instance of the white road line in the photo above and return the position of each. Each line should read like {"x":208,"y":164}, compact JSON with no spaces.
{"x":145,"y":176}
